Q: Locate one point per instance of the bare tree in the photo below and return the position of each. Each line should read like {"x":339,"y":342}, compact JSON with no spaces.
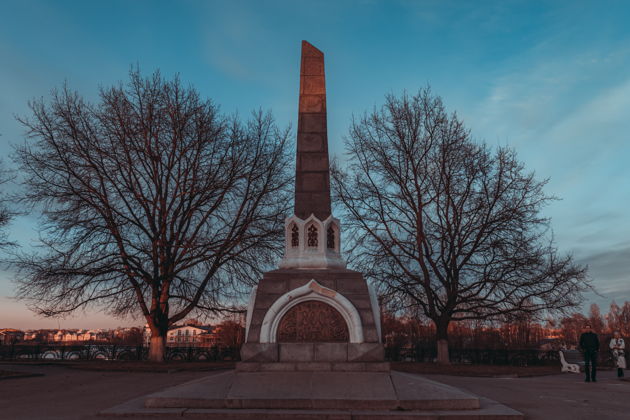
{"x":450,"y":228}
{"x":596,"y":320}
{"x":6,"y":213}
{"x":571,"y":327}
{"x":153,"y":202}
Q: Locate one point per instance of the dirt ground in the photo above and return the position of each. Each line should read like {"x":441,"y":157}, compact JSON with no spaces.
{"x":65,"y":392}
{"x":129,"y":366}
{"x":12,"y":374}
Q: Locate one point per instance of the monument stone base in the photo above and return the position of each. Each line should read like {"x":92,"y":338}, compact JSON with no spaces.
{"x":312,"y":352}
{"x":313,"y":367}
{"x":315,"y":395}
{"x":344,"y":291}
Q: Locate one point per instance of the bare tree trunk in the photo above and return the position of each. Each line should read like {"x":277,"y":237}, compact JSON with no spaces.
{"x":441,"y":333}
{"x":157,"y":347}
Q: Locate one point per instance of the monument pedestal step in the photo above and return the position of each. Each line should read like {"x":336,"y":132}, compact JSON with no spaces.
{"x":315,"y":395}
{"x":489,"y":410}
{"x":313,"y":367}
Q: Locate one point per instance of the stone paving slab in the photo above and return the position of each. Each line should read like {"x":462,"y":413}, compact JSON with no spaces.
{"x":216,"y":386}
{"x":136,"y":408}
{"x":351,"y":386}
{"x":434,"y":394}
{"x":314,"y":390}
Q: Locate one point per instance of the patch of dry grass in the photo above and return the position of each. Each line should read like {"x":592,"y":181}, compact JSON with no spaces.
{"x":10,"y":374}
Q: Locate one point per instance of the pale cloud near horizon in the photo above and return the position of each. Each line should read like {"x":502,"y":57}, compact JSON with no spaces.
{"x":17,"y":315}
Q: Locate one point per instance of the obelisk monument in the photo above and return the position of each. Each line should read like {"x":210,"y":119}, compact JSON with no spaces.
{"x":312,"y":309}
{"x":313,"y":347}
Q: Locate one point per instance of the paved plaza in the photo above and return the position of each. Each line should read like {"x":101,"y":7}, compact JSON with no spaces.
{"x":562,"y":396}
{"x":64,"y":393}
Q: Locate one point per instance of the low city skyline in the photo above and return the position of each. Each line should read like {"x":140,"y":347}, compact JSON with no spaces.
{"x":548,"y":79}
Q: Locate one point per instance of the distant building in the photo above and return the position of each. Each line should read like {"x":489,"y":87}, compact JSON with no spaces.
{"x":191,"y":334}
{"x":68,"y":336}
{"x":30,"y":335}
{"x":186,"y":336}
{"x":10,"y":336}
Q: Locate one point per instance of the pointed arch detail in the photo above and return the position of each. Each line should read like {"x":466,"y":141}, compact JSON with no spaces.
{"x":311,"y":291}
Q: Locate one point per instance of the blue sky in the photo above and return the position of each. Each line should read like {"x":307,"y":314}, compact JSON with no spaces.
{"x":548,"y":78}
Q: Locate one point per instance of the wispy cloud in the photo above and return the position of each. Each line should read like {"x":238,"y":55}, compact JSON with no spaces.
{"x":611,"y":269}
{"x":535,"y":93}
{"x":567,"y":116}
{"x":610,"y":275}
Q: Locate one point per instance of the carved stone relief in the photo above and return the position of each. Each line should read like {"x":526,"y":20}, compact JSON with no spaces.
{"x":312,"y":321}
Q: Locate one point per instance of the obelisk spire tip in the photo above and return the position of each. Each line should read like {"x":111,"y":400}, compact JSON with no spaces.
{"x":309,"y":50}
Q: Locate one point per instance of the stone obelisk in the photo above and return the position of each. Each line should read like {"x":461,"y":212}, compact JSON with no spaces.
{"x":312,"y":180}
{"x":312,"y":309}
{"x":312,"y":220}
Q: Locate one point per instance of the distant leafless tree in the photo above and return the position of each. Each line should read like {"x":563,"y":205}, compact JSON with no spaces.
{"x":450,"y":228}
{"x":230,"y":333}
{"x":153,"y":202}
{"x":596,"y":320}
{"x":6,"y":214}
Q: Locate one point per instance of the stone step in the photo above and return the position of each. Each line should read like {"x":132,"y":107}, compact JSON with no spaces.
{"x":313,"y":367}
{"x":489,"y":410}
{"x":314,"y":390}
{"x":316,"y":395}
{"x":314,"y":404}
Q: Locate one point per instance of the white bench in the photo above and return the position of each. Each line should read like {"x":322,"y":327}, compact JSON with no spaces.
{"x":571,"y":361}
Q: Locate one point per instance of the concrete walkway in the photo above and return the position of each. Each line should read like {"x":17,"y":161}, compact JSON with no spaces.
{"x":69,"y":394}
{"x":558,"y":397}
{"x":64,"y":393}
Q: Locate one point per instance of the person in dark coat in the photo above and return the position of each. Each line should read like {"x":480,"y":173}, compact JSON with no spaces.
{"x":589,"y":343}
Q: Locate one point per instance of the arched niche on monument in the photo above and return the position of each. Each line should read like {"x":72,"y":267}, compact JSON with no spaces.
{"x":327,"y":308}
{"x":312,"y":235}
{"x":332,"y":236}
{"x":294,"y":235}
